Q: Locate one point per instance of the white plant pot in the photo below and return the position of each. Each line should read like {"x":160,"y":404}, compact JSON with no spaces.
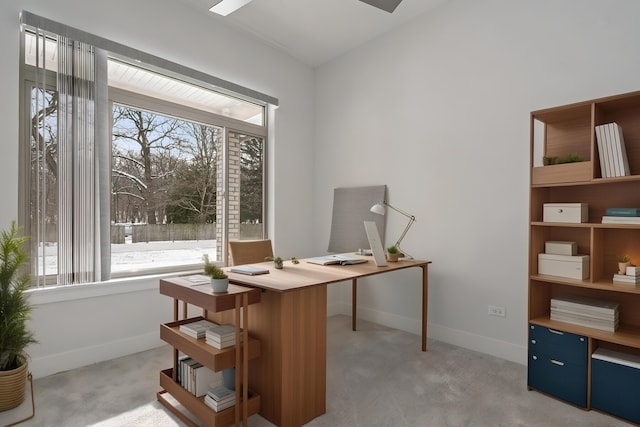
{"x":220,"y":285}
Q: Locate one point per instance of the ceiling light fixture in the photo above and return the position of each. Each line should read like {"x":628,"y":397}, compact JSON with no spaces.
{"x":386,"y":5}
{"x":225,"y":7}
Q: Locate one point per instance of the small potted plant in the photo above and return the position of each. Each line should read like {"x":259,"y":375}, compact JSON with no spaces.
{"x":278,"y":262}
{"x":393,"y":254}
{"x":219,"y":279}
{"x":623,"y":263}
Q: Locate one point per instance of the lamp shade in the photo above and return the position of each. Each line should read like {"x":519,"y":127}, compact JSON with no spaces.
{"x":377,"y":209}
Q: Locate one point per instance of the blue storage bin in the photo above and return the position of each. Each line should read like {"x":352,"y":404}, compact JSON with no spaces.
{"x":615,"y":383}
{"x":558,"y":364}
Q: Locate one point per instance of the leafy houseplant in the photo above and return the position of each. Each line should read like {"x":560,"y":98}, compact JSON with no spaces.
{"x":15,"y":311}
{"x":393,"y":253}
{"x":623,"y":263}
{"x":278,"y":262}
{"x":219,"y":279}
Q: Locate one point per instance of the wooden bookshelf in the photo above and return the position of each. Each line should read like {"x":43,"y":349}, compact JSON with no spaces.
{"x":566,"y":130}
{"x":214,"y":307}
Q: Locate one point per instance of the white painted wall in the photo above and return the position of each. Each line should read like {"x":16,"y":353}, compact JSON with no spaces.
{"x":439,"y":111}
{"x":85,"y":324}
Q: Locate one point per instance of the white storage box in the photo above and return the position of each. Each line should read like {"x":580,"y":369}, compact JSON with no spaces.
{"x":565,"y":212}
{"x":572,"y":267}
{"x":561,"y":248}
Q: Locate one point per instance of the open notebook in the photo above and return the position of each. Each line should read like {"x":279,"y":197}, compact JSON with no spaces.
{"x":336,"y":259}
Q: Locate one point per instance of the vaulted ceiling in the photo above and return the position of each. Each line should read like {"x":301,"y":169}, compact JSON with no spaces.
{"x":316,"y":31}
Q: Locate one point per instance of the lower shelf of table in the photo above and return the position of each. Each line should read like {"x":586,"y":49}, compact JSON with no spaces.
{"x":196,"y":405}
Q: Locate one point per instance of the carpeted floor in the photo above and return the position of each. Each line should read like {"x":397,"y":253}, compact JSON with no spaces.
{"x":375,"y":377}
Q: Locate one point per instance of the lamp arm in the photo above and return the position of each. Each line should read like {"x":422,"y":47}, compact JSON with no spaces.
{"x":411,"y":221}
{"x":408,"y":215}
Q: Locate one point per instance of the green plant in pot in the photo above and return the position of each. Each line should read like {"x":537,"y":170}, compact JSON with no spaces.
{"x":15,"y":312}
{"x":219,"y":279}
{"x":623,"y":263}
{"x":393,"y":253}
{"x":278,"y":262}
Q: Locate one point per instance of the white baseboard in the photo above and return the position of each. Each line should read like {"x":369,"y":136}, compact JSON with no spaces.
{"x":480,"y":343}
{"x":51,"y":364}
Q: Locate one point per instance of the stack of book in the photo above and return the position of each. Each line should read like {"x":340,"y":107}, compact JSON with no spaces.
{"x":221,"y":336}
{"x":621,"y":216}
{"x":611,"y":151}
{"x":220,"y":398}
{"x":584,"y":311}
{"x":196,"y":378}
{"x":631,"y":276}
{"x":198,"y":328}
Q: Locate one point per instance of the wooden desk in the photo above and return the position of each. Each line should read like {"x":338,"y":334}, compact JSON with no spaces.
{"x":291,"y":324}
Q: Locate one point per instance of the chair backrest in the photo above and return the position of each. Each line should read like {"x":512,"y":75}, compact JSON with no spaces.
{"x":249,"y":251}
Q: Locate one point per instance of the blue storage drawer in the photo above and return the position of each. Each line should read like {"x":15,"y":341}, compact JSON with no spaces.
{"x":562,"y":379}
{"x":560,"y":345}
{"x":615,"y":383}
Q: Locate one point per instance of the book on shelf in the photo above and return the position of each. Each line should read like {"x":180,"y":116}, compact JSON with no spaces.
{"x":622,"y":212}
{"x":250,"y":270}
{"x":603,"y":153}
{"x":610,"y":326}
{"x":198,"y":328}
{"x":220,"y":398}
{"x":626,"y":279}
{"x":590,"y":304}
{"x":612,"y":152}
{"x":619,"y":148}
{"x":585,"y":311}
{"x":221,"y":331}
{"x":221,"y":336}
{"x":620,"y":219}
{"x":218,"y":406}
{"x":336,"y":260}
{"x":204,"y":379}
{"x":186,"y":376}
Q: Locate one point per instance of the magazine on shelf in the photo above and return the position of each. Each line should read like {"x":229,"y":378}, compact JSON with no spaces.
{"x":336,"y":260}
{"x":620,"y":219}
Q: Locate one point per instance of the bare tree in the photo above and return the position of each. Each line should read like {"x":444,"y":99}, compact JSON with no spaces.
{"x":140,"y":138}
{"x":193,"y":194}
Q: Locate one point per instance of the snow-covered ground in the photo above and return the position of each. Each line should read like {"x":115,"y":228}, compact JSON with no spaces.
{"x":140,"y":256}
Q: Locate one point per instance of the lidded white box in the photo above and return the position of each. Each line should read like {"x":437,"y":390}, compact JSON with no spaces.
{"x":565,"y":212}
{"x":571,"y":267}
{"x":561,"y":248}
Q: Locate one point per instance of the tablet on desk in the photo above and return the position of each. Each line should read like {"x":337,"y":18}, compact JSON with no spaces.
{"x":375,"y":243}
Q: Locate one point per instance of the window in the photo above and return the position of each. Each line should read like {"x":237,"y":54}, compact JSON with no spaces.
{"x":151,"y":176}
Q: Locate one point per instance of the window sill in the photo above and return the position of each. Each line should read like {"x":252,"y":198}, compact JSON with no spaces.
{"x":55,"y":294}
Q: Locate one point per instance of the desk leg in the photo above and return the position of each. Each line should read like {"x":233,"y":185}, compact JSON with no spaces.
{"x":354,"y":303}
{"x":425,"y":304}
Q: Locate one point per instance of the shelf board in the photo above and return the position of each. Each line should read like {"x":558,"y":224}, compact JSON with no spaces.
{"x":599,"y":285}
{"x":584,"y":225}
{"x":196,"y":405}
{"x":211,"y":357}
{"x":562,"y":224}
{"x":625,"y":335}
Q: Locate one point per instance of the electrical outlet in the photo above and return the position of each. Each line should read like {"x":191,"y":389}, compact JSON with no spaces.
{"x":497,"y":311}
